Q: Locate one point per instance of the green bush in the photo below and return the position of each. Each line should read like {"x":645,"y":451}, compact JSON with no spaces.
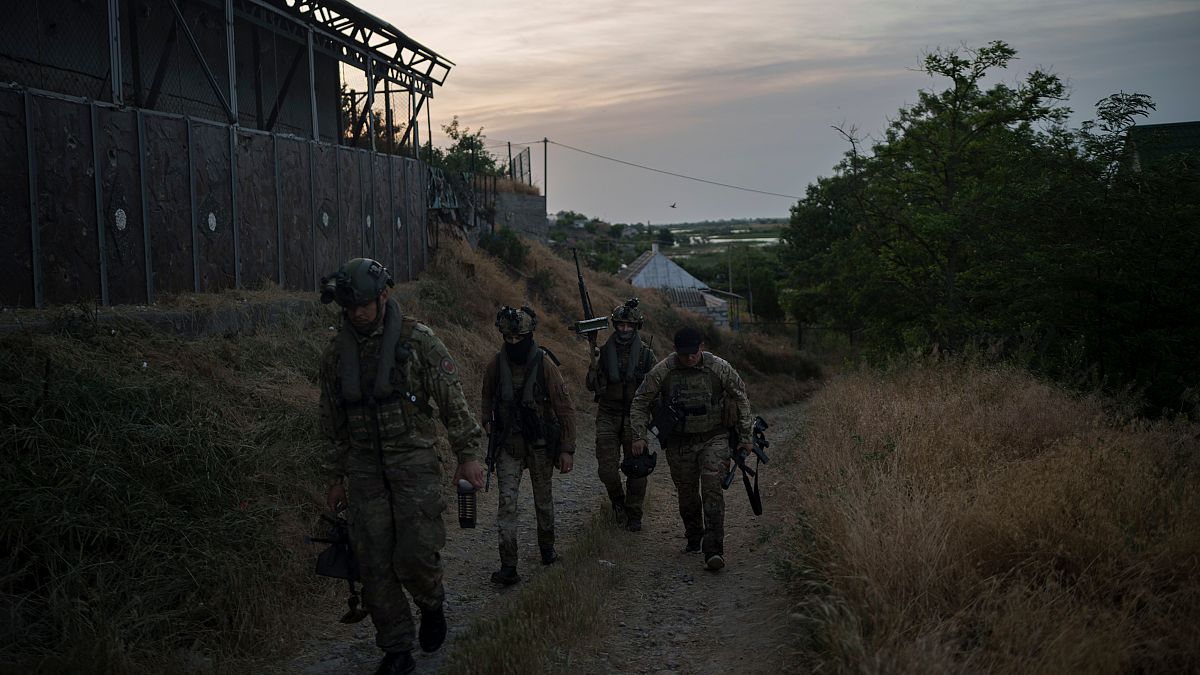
{"x":506,"y":245}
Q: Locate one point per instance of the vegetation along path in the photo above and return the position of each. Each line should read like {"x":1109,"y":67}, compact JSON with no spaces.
{"x":637,"y":603}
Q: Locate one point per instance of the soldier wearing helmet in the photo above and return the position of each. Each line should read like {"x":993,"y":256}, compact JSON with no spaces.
{"x":525,"y":402}
{"x":378,"y":377}
{"x":705,"y":399}
{"x":616,"y":371}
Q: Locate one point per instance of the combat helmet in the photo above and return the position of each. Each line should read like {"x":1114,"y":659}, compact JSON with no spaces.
{"x":629,"y":312}
{"x":356,"y":283}
{"x":639,"y":466}
{"x":514,"y":321}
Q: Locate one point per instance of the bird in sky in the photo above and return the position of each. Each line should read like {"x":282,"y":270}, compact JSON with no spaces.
{"x":672,"y":204}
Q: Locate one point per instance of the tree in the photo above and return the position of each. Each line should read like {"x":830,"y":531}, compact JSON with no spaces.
{"x":665,"y":237}
{"x":980,"y":218}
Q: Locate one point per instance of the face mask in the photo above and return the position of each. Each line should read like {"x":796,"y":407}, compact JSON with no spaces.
{"x":519,"y":352}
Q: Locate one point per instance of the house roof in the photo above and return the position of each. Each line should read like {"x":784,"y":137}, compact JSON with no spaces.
{"x":655,"y":270}
{"x":1150,"y":143}
{"x":693,"y":298}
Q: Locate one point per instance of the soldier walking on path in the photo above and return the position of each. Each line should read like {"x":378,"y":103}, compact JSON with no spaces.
{"x":525,"y":401}
{"x":616,"y":371}
{"x":695,"y":398}
{"x":377,"y":379}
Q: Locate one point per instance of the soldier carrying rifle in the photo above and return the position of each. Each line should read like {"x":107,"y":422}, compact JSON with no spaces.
{"x":693,"y":398}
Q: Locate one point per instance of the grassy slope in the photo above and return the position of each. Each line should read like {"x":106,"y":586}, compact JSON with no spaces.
{"x":157,"y":489}
{"x":959,"y":518}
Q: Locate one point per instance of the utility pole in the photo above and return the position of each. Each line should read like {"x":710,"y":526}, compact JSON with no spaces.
{"x":545,"y":175}
{"x":510,"y":166}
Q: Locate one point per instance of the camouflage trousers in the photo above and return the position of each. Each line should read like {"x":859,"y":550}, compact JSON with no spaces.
{"x":610,"y":451}
{"x":698,"y":463}
{"x":397,"y":531}
{"x":541,"y":471}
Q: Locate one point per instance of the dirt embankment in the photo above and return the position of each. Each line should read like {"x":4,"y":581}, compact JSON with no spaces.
{"x":668,"y":615}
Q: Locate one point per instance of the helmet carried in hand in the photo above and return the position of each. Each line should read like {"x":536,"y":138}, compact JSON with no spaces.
{"x":358,"y":282}
{"x":639,"y":466}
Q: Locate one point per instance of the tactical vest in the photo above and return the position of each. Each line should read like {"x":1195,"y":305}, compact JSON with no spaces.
{"x":386,"y":408}
{"x":531,"y":415}
{"x":615,"y":383}
{"x":698,"y":396}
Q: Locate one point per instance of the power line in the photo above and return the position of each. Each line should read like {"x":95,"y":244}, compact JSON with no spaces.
{"x":671,"y":173}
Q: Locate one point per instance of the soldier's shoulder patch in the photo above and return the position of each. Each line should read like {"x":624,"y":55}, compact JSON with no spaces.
{"x":448,"y":366}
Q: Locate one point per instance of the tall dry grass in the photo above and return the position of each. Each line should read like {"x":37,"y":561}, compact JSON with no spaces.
{"x":963,"y":518}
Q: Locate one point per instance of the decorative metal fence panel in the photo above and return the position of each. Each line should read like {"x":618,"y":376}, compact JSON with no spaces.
{"x":296,"y":212}
{"x":117,"y":205}
{"x":213,"y":174}
{"x":401,"y":268}
{"x":258,"y":211}
{"x":169,"y":204}
{"x":118,"y":151}
{"x":67,"y":203}
{"x":16,"y":237}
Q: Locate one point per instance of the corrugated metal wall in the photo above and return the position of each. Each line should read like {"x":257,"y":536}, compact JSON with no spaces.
{"x":116,"y":206}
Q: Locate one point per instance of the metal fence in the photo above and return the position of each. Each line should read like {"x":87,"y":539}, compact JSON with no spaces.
{"x":117,"y":205}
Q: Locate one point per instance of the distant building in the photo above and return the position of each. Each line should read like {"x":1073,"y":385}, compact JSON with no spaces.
{"x":652,"y":269}
{"x":1149,"y":144}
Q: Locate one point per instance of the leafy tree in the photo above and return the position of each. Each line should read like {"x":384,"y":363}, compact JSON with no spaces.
{"x":665,"y":237}
{"x":979,"y":217}
{"x":466,"y":155}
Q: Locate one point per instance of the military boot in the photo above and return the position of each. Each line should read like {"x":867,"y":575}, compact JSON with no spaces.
{"x":396,"y":663}
{"x":635,"y":524}
{"x":433,"y":628}
{"x":693,"y":545}
{"x":549,"y":556}
{"x":714,"y":562}
{"x":506,"y":575}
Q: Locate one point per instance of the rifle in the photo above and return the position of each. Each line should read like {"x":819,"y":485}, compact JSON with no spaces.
{"x":495,"y":437}
{"x":339,"y":562}
{"x":664,"y":417}
{"x":759,"y":445}
{"x":591,"y":324}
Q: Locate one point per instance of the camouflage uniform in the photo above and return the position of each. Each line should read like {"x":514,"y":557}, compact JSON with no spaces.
{"x":552,"y":402}
{"x":614,"y":383}
{"x":387,"y":449}
{"x":712,"y":396}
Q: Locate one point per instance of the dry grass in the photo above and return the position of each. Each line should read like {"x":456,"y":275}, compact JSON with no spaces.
{"x":510,"y":185}
{"x":958,"y":518}
{"x":154,"y":513}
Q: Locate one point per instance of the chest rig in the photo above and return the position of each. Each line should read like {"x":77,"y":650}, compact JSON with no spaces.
{"x":383,"y":410}
{"x":619,"y":377}
{"x":697,"y":396}
{"x":528,"y":414}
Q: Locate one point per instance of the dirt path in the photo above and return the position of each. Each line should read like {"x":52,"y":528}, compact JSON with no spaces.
{"x":671,"y":616}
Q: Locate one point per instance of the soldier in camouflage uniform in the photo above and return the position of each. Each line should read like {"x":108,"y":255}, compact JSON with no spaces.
{"x":525,"y":401}
{"x":377,"y":378}
{"x":708,"y":398}
{"x":616,"y":370}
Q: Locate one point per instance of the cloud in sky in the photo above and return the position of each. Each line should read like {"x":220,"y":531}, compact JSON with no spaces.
{"x":745,"y":93}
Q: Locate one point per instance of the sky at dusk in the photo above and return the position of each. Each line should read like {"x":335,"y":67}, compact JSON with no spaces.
{"x":748,"y":93}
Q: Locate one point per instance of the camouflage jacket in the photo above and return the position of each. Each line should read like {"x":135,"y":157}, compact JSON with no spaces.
{"x":424,"y":372}
{"x":730,"y":393}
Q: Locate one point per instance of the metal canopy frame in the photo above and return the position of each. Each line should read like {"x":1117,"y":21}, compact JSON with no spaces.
{"x":355,"y":38}
{"x":391,"y":61}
